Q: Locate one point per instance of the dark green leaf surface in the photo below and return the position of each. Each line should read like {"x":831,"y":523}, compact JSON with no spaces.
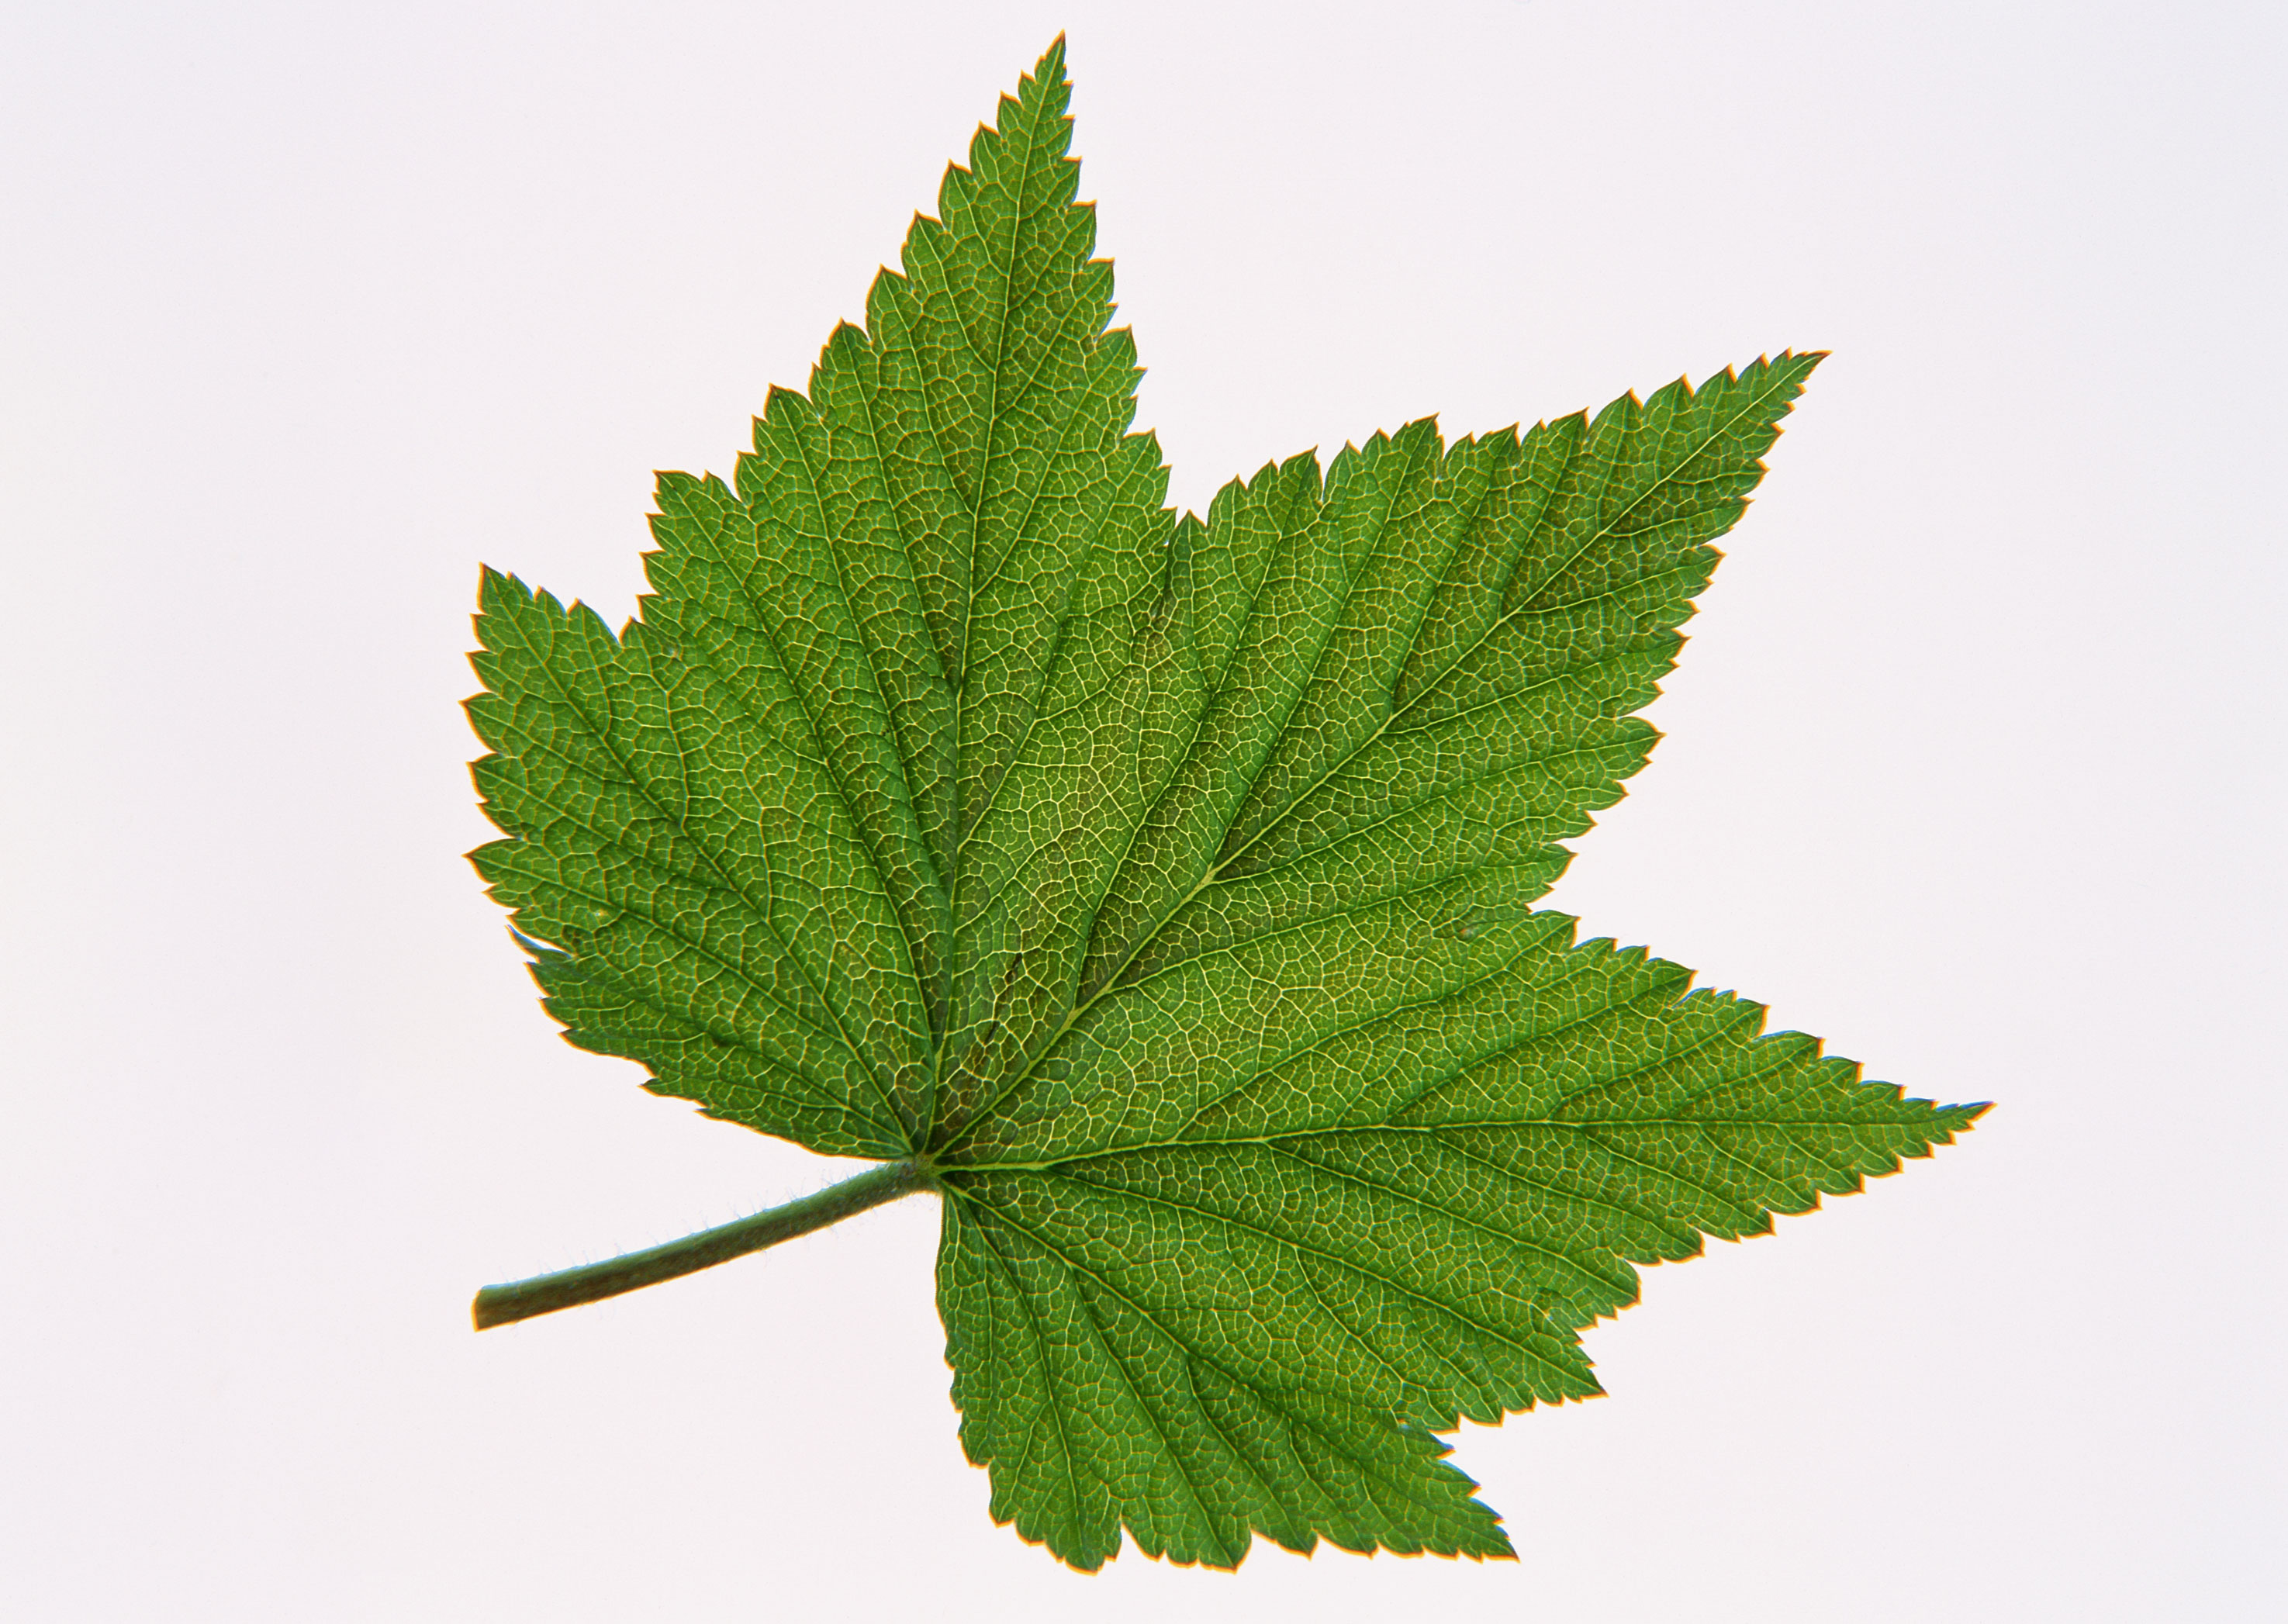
{"x":1169,"y":885}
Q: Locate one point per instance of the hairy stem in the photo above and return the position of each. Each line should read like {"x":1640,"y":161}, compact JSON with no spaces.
{"x":545,"y":1294}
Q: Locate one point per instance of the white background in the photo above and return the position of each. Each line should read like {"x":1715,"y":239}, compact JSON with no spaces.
{"x":1972,"y":767}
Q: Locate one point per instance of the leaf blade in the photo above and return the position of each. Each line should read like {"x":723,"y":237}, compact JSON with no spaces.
{"x":1168,"y":886}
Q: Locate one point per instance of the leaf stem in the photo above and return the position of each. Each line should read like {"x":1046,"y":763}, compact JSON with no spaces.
{"x":545,"y":1294}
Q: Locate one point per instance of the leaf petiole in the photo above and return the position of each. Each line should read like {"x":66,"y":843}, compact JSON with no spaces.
{"x":545,"y":1294}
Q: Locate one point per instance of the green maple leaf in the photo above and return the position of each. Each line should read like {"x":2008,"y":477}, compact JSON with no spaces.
{"x":1160,"y":891}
